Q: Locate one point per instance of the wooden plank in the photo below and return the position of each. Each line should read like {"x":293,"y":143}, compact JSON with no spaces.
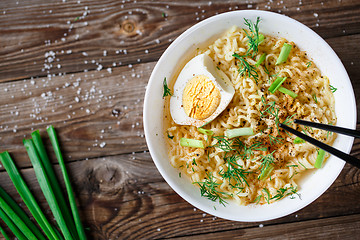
{"x":125,"y":197}
{"x":344,"y":227}
{"x":58,"y":37}
{"x":96,"y":113}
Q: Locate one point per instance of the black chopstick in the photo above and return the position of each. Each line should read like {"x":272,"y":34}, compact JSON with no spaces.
{"x":331,"y":128}
{"x":346,"y":157}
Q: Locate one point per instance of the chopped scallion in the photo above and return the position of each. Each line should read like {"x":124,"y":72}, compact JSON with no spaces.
{"x":266,"y":172}
{"x":276,"y":84}
{"x":205,"y":131}
{"x":288,"y":92}
{"x":261,"y":59}
{"x":284,"y":53}
{"x":237,"y":132}
{"x":319,"y":159}
{"x":298,"y":140}
{"x":187,"y":142}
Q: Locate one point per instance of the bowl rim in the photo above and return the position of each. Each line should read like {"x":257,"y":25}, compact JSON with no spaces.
{"x":152,"y":146}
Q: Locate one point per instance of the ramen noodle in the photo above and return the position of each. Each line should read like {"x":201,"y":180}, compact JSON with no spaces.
{"x":266,"y":166}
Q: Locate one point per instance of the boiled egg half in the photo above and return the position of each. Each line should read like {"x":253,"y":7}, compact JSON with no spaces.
{"x":201,"y":92}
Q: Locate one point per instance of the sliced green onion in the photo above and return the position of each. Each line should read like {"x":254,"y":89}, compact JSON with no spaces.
{"x":46,"y":188}
{"x":13,"y":227}
{"x":288,"y":92}
{"x":319,"y":159}
{"x":261,"y":59}
{"x":54,"y":182}
{"x":27,"y":196}
{"x":298,"y":140}
{"x":260,"y":39}
{"x":75,"y":212}
{"x":205,"y":131}
{"x":187,"y":142}
{"x":284,"y":53}
{"x":15,"y":207}
{"x":276,"y":84}
{"x":266,"y":172}
{"x":237,"y":132}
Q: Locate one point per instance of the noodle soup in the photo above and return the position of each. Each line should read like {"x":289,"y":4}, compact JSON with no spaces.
{"x":264,"y":166}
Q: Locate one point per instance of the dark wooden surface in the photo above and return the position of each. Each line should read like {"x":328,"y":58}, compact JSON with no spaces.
{"x":83,"y":66}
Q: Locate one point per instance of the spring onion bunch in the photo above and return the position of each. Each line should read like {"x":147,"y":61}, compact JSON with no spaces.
{"x":68,"y":222}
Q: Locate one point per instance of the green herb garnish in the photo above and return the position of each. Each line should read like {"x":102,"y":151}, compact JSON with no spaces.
{"x":267,"y":197}
{"x":208,"y":189}
{"x":308,"y":64}
{"x":261,"y":59}
{"x":298,"y":140}
{"x":245,"y":68}
{"x":320,"y":158}
{"x":315,"y":98}
{"x":254,"y":37}
{"x":332,"y":88}
{"x":266,"y":165}
{"x":283,"y":192}
{"x":167,"y":91}
{"x":187,"y":142}
{"x":284,"y":53}
{"x":234,"y":172}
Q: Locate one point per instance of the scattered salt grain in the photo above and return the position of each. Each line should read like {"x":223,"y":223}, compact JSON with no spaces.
{"x":261,"y":225}
{"x":102,"y":144}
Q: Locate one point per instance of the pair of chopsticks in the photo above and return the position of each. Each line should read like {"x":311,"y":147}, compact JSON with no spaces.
{"x":346,"y":157}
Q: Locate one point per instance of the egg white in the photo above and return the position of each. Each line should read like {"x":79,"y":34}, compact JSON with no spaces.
{"x":200,"y":65}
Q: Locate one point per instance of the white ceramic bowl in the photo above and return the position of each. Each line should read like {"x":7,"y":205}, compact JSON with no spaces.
{"x":201,"y":34}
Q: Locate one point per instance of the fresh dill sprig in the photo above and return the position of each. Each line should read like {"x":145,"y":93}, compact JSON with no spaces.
{"x":266,"y":165}
{"x":168,"y":135}
{"x":246,"y":68}
{"x":208,"y":189}
{"x":270,"y":109}
{"x":288,"y":119}
{"x":267,"y":196}
{"x":234,"y":172}
{"x":274,"y":140}
{"x":332,"y":88}
{"x":308,"y":64}
{"x":223,"y":143}
{"x":315,"y":98}
{"x":257,"y":199}
{"x":254,"y":37}
{"x":167,"y":91}
{"x":247,"y":151}
{"x":283,"y":192}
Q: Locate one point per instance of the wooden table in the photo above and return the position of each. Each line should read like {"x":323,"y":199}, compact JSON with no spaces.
{"x":83,"y":66}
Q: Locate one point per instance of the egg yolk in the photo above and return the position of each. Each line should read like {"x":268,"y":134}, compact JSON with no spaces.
{"x":200,"y":97}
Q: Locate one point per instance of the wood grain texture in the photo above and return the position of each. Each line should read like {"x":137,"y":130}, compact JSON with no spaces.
{"x":90,"y":28}
{"x":83,"y":66}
